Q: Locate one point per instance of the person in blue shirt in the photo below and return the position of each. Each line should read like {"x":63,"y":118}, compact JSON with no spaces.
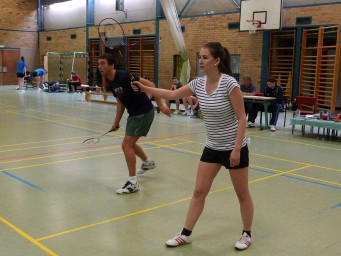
{"x":21,"y":73}
{"x":272,"y":90}
{"x":39,"y":74}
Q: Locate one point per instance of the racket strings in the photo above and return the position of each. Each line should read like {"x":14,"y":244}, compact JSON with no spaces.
{"x":111,"y":34}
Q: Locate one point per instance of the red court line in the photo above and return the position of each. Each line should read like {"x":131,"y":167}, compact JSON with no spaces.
{"x":92,"y":147}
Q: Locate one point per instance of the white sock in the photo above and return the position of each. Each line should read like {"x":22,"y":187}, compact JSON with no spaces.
{"x":133,"y":179}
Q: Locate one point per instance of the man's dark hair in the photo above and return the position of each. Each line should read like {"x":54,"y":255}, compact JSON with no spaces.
{"x":109,"y":57}
{"x":271,"y":79}
{"x":248,"y":78}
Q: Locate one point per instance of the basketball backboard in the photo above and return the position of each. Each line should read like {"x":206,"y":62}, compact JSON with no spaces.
{"x":268,"y":12}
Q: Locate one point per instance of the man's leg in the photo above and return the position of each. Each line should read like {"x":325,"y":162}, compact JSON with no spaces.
{"x":254,"y":111}
{"x":128,"y":146}
{"x":274,"y":109}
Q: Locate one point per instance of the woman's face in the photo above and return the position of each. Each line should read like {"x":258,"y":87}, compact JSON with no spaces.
{"x":206,"y":61}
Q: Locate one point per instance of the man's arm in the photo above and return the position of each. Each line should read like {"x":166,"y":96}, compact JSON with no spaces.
{"x":119,"y":113}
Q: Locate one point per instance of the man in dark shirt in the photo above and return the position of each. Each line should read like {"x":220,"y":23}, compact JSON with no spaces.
{"x":272,"y":90}
{"x":248,"y":89}
{"x":141,"y":115}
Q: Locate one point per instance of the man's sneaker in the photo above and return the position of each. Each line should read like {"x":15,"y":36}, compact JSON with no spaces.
{"x":244,"y":242}
{"x":250,"y":124}
{"x":176,"y":112}
{"x":129,"y":188}
{"x":179,"y":240}
{"x":146,"y":165}
{"x":272,"y":128}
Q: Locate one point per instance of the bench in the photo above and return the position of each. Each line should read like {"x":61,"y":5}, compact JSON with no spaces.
{"x":88,"y":97}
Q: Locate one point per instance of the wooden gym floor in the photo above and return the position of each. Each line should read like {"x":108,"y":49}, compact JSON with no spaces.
{"x":58,"y":197}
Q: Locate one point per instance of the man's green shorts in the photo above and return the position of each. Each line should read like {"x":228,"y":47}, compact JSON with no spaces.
{"x":138,"y":126}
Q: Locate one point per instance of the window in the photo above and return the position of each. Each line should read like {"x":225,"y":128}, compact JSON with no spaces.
{"x":235,"y":66}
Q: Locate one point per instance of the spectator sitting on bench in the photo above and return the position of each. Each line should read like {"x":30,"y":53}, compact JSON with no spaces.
{"x":176,"y":85}
{"x":192,"y":101}
{"x":74,"y":82}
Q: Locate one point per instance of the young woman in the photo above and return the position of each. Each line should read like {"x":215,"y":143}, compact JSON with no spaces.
{"x":222,"y":106}
{"x":21,"y":73}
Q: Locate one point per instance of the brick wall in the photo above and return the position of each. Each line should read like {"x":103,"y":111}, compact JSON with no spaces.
{"x":200,"y":30}
{"x":18,"y":28}
{"x":327,"y":14}
{"x":21,"y":16}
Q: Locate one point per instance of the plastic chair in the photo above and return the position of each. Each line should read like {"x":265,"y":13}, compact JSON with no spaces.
{"x":305,"y":105}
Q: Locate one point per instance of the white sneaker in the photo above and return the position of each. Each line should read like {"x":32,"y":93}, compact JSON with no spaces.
{"x":179,"y":240}
{"x":146,"y":165}
{"x":272,"y":128}
{"x":250,"y":124}
{"x":129,"y":188}
{"x":193,"y":114}
{"x":176,"y":112}
{"x":185,"y":113}
{"x":244,"y":242}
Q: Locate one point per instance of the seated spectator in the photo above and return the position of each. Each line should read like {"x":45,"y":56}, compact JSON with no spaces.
{"x":272,"y":90}
{"x":175,"y":85}
{"x":192,"y":109}
{"x":39,"y":76}
{"x":248,"y":89}
{"x":74,"y":82}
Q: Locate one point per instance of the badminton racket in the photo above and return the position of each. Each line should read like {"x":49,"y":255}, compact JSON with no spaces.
{"x":111,"y":33}
{"x":94,"y":140}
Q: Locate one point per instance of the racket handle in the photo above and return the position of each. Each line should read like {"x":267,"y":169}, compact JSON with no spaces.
{"x":132,"y":79}
{"x":117,"y":127}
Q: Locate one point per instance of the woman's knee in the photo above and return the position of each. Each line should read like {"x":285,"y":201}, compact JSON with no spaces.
{"x":199,"y":193}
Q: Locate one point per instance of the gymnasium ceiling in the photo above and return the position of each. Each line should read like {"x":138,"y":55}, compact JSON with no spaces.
{"x":195,"y":7}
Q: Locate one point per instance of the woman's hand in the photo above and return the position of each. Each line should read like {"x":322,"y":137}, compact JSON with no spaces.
{"x":235,"y":158}
{"x":137,"y":86}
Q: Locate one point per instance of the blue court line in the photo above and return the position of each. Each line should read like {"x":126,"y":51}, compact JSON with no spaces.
{"x":298,"y":178}
{"x":260,"y":170}
{"x":22,"y":180}
{"x":336,"y":206}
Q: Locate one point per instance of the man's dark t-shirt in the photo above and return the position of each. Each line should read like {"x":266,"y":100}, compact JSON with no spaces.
{"x":135,"y":103}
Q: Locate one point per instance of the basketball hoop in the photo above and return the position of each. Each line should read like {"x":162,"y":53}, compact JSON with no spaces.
{"x":254,"y":25}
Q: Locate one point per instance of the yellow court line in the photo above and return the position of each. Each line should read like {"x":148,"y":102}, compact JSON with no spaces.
{"x":57,"y":162}
{"x":42,"y":141}
{"x":156,"y":207}
{"x":54,"y":145}
{"x":296,"y":162}
{"x":28,"y":237}
{"x":298,"y":175}
{"x":59,"y":155}
{"x":298,"y":142}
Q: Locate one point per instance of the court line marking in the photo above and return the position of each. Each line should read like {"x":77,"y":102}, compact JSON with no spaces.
{"x":28,"y":237}
{"x":25,"y":182}
{"x":157,"y":207}
{"x":298,"y":142}
{"x":177,"y":149}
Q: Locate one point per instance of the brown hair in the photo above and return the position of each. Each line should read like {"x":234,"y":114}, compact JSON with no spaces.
{"x":219,"y":51}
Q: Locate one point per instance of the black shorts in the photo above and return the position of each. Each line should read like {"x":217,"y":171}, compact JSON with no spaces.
{"x":223,"y":157}
{"x":20,"y":75}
